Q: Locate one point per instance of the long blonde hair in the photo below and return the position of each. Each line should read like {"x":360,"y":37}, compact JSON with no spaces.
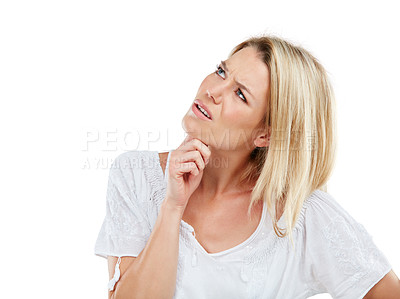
{"x":301,"y":119}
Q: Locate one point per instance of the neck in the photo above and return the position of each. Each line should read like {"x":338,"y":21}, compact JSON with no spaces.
{"x":221,"y":175}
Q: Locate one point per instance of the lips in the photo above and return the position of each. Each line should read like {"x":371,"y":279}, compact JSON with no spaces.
{"x":200,"y":103}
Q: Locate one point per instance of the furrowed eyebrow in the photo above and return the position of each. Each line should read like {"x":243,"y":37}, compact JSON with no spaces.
{"x":238,"y":83}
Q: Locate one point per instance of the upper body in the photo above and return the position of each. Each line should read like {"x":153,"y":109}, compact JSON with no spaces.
{"x":261,"y":138}
{"x":333,"y":253}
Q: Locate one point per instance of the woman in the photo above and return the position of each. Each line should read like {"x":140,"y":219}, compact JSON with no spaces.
{"x":240,"y":208}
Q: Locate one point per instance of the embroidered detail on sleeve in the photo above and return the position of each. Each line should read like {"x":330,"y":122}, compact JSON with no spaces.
{"x":352,"y":247}
{"x":126,"y":224}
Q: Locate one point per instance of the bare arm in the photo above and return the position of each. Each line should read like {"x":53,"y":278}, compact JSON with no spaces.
{"x":153,"y":273}
{"x":124,"y":265}
{"x":388,"y":287}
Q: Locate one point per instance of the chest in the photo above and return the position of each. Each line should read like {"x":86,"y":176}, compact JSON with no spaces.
{"x":262,"y":268}
{"x":222,"y":225}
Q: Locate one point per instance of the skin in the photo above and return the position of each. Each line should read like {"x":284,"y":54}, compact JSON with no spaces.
{"x":231,"y":136}
{"x":233,"y":132}
{"x":240,"y":121}
{"x":217,"y":209}
{"x":387,"y":288}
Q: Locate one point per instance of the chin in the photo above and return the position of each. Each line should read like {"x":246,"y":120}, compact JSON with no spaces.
{"x":189,"y":124}
{"x":184,"y":124}
{"x":193,"y":129}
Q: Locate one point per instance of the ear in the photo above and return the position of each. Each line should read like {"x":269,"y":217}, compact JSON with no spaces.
{"x":262,"y":139}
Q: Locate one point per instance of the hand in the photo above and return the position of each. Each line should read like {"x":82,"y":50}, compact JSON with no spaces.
{"x":186,"y":165}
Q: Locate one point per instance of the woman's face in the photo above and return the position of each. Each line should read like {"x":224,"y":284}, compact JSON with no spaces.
{"x":236,"y":97}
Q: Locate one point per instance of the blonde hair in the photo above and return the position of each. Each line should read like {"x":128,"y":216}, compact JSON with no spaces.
{"x":301,"y":119}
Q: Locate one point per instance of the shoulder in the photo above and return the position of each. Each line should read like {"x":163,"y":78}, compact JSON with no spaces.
{"x":140,"y":172}
{"x":340,"y":252}
{"x":133,"y":191}
{"x":134,"y":159}
{"x":137,"y":162}
{"x":135,"y":170}
{"x":322,"y":207}
{"x":329,"y":224}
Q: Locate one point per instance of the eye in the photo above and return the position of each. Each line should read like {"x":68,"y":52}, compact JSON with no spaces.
{"x":219,"y":71}
{"x":241,"y":95}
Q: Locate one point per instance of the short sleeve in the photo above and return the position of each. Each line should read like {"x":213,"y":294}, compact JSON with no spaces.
{"x":126,"y":228}
{"x":344,"y":259}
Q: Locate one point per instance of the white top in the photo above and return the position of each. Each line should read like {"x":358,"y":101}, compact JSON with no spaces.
{"x":333,"y":253}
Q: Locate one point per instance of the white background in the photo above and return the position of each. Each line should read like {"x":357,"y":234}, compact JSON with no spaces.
{"x":100,"y":71}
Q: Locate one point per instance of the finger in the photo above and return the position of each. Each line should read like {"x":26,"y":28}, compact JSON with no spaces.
{"x":181,"y":163}
{"x":197,"y":144}
{"x":188,"y":167}
{"x":193,"y":169}
{"x":186,"y":140}
{"x":194,"y":156}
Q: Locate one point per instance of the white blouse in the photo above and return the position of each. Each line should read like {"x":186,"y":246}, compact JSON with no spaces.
{"x":333,"y":253}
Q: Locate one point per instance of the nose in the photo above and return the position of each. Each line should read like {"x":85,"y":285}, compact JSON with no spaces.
{"x":215,"y":95}
{"x":210,"y":96}
{"x":218,"y":91}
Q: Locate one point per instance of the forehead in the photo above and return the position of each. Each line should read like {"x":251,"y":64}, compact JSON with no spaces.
{"x":248,"y":68}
